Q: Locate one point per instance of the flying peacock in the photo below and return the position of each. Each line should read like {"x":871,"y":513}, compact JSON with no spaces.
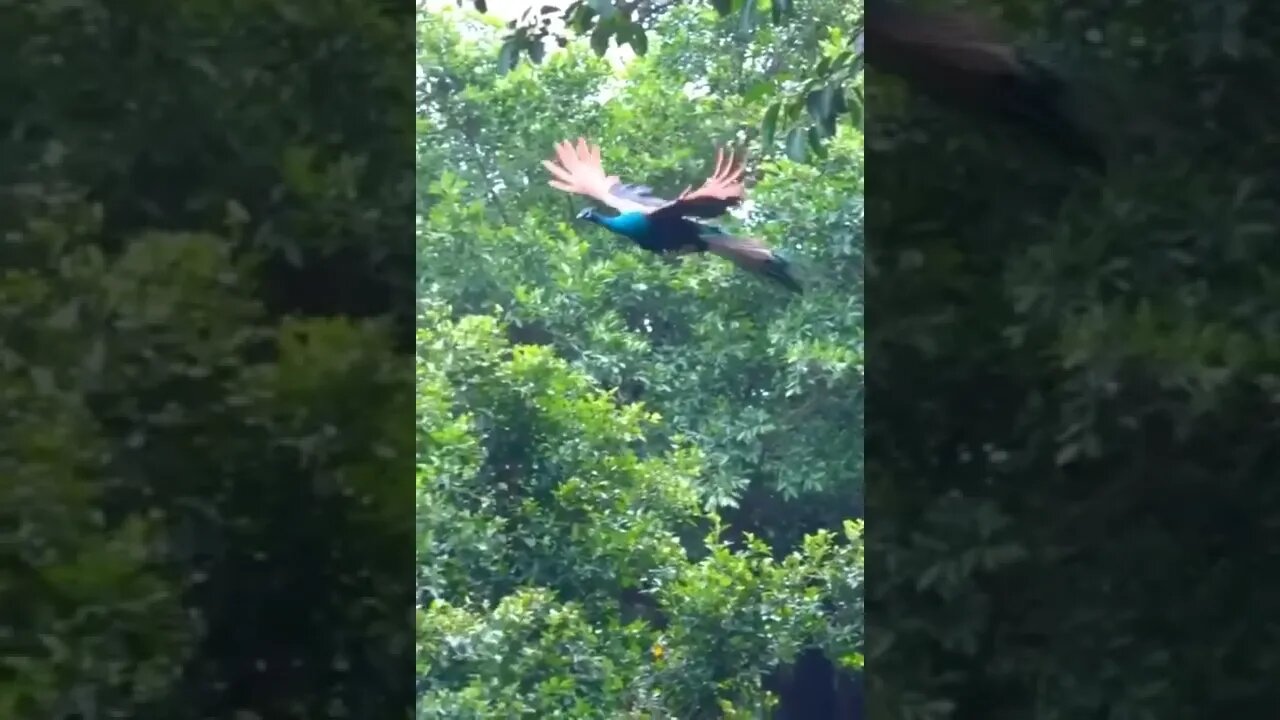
{"x":664,"y":226}
{"x":958,"y":59}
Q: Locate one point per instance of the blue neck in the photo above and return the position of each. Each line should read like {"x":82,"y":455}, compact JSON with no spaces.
{"x":630,"y":224}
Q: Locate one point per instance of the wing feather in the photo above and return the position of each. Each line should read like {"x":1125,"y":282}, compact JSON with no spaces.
{"x":721,"y":191}
{"x":639,"y":193}
{"x":578,"y":170}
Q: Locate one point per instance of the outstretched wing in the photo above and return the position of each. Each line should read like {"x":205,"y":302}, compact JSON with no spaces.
{"x":642,"y":194}
{"x":578,"y":170}
{"x":720,"y":192}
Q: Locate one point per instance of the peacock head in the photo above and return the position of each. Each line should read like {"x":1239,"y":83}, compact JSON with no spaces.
{"x":588,"y":214}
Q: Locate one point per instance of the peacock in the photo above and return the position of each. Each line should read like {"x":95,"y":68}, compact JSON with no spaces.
{"x":957,"y":59}
{"x":665,"y":226}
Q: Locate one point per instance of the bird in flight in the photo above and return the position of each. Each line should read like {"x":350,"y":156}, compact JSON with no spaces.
{"x":668,"y":227}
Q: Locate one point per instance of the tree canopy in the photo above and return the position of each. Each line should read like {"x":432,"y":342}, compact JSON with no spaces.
{"x":207,"y":449}
{"x":808,"y":95}
{"x":640,"y":488}
{"x":1071,"y":412}
{"x":1072,"y":388}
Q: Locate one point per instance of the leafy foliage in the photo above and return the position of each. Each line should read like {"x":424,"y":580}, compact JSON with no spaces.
{"x":635,"y":323}
{"x":639,"y":479}
{"x":174,"y":185}
{"x":811,"y":50}
{"x":553,"y":575}
{"x":1070,"y":428}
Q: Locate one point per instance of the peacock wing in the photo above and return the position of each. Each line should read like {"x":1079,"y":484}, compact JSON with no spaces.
{"x":721,"y":191}
{"x":642,"y":194}
{"x":577,"y":169}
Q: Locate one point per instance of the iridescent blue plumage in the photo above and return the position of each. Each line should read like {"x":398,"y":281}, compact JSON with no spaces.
{"x":665,"y":226}
{"x":633,"y":225}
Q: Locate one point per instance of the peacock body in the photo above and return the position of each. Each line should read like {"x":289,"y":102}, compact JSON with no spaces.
{"x":667,"y":227}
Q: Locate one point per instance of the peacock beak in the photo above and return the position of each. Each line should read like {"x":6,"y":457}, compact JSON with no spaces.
{"x":585,"y":214}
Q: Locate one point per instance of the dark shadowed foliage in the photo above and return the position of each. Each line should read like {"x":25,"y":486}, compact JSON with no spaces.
{"x":1072,"y":381}
{"x":206,"y":508}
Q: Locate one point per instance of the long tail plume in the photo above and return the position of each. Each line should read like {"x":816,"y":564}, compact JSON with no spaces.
{"x":754,"y":256}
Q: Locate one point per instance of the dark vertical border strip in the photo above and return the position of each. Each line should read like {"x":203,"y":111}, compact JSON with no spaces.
{"x":1072,"y":384}
{"x":206,"y":279}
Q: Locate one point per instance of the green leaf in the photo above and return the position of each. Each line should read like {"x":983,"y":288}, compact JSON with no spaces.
{"x":770,"y":124}
{"x":508,"y":56}
{"x":827,"y":105}
{"x":600,"y":39}
{"x":794,"y":108}
{"x":578,"y":17}
{"x":796,"y":145}
{"x":536,"y":51}
{"x":838,"y":103}
{"x":853,"y":106}
{"x":639,"y":42}
{"x":823,"y":70}
{"x":747,"y":18}
{"x":604,"y":8}
{"x":842,"y":60}
{"x":815,"y":142}
{"x":757,"y":91}
{"x":819,"y":105}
